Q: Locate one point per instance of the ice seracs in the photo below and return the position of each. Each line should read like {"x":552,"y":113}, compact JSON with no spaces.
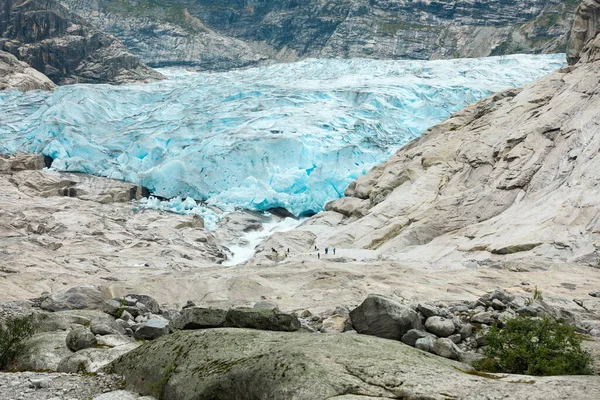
{"x":289,"y":135}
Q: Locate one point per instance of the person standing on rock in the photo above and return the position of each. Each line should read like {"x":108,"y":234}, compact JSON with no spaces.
{"x":318,"y":256}
{"x":334,"y":251}
{"x":326,"y":250}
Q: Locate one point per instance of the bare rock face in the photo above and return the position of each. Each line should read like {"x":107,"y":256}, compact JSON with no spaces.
{"x":584,"y":43}
{"x":64,"y":47}
{"x":508,"y":178}
{"x":17,"y":75}
{"x":221,"y":35}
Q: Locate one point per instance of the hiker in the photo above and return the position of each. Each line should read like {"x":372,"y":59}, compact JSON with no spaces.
{"x":326,"y":250}
{"x":334,"y":251}
{"x":319,"y":256}
{"x":316,"y":248}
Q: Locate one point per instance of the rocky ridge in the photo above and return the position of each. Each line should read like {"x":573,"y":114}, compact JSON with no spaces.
{"x":64,"y":47}
{"x":219,"y":35}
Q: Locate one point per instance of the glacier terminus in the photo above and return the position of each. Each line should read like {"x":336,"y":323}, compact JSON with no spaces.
{"x":288,"y":135}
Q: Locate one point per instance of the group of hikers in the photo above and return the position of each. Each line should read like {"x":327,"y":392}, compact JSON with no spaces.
{"x":326,"y":252}
{"x":287,"y":253}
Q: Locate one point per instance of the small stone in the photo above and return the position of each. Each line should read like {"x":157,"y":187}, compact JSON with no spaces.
{"x":505,"y":316}
{"x":189,"y":304}
{"x":483,"y":318}
{"x":440,"y":326}
{"x":498,"y":305}
{"x":410,"y":338}
{"x":595,"y":293}
{"x":152,"y":329}
{"x":80,"y":338}
{"x":316,"y":318}
{"x":265,"y":305}
{"x":466,"y":330}
{"x":102,"y":328}
{"x":428,"y":310}
{"x":38,"y":383}
{"x":305,"y":314}
{"x":425,"y":343}
{"x":456,"y":338}
{"x":444,"y":347}
{"x":74,"y":363}
{"x":129,"y":301}
{"x":126,"y":316}
{"x":527,"y":311}
{"x":459,"y":309}
{"x":334,"y":324}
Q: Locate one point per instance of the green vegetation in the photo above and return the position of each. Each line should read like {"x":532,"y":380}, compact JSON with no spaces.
{"x":537,"y":296}
{"x":13,"y":332}
{"x":534,"y":346}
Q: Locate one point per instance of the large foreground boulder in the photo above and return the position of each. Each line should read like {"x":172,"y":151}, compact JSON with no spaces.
{"x":254,"y":318}
{"x":75,"y":298}
{"x":384,"y":317}
{"x":249,"y":364}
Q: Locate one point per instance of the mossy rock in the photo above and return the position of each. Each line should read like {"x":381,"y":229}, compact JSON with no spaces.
{"x":228,"y":363}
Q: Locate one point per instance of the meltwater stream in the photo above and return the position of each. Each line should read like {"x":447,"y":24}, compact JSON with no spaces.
{"x":289,"y":135}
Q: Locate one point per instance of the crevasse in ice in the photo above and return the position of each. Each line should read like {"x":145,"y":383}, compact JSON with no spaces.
{"x":289,"y":135}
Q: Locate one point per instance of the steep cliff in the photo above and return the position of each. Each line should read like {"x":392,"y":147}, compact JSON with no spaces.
{"x":64,"y":47}
{"x":222,"y":34}
{"x":512,"y":177}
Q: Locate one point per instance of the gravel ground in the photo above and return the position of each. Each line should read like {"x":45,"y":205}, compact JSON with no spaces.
{"x":55,"y":386}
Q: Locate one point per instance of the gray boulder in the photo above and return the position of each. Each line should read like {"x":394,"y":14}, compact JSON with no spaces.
{"x":80,"y":338}
{"x":483,"y":318}
{"x":152,"y":329}
{"x":440,"y":326}
{"x":42,"y":351}
{"x":334,"y":324}
{"x":410,"y":338}
{"x":106,"y":328}
{"x":446,"y":348}
{"x":75,"y":298}
{"x":425,"y":343}
{"x":74,"y":364}
{"x":428,"y":310}
{"x":149,"y":303}
{"x":266,"y":305}
{"x":199,"y":318}
{"x":261,"y":319}
{"x":384,"y":317}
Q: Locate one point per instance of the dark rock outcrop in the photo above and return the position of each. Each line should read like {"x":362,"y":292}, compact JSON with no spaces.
{"x":383,"y":317}
{"x":64,"y":47}
{"x":219,"y":35}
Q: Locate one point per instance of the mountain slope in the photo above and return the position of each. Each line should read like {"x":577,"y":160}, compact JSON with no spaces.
{"x":514,"y":176}
{"x":64,"y":47}
{"x":211,"y":34}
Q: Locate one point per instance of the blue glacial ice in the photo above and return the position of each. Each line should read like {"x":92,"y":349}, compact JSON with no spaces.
{"x":288,"y":135}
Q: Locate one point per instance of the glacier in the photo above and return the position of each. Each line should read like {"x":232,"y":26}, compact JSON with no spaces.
{"x":286,"y":135}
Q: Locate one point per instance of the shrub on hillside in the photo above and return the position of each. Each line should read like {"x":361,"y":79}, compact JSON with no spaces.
{"x":13,"y":332}
{"x":535,"y":346}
